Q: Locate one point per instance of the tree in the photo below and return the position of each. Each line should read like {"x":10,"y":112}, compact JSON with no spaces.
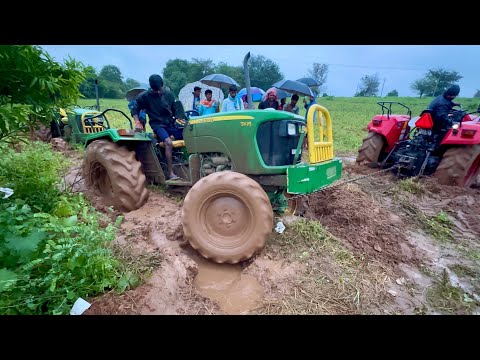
{"x":111,"y":73}
{"x":319,"y":72}
{"x":131,"y":83}
{"x":87,"y":87}
{"x":32,"y":87}
{"x":263,"y":72}
{"x":176,"y":74}
{"x":435,"y":82}
{"x":477,"y":94}
{"x":421,"y":86}
{"x":200,"y":68}
{"x":369,"y":85}
{"x":393,"y":93}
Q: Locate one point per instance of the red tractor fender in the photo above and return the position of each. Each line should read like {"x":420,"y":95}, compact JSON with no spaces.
{"x":467,"y":134}
{"x":393,"y":128}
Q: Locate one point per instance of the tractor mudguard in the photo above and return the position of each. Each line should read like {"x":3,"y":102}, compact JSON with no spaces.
{"x":392,"y":129}
{"x":467,"y":134}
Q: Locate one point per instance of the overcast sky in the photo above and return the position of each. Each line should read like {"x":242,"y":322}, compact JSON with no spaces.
{"x":398,"y":65}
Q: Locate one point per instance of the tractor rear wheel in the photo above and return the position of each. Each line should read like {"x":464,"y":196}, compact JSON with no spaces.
{"x":42,"y":133}
{"x":227,"y":217}
{"x":113,"y":172}
{"x":460,"y":166}
{"x":371,"y":148}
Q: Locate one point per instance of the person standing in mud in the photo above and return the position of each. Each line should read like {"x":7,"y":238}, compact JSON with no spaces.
{"x":159,"y":104}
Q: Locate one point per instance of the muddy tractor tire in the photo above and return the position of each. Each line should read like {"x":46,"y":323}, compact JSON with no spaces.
{"x":113,"y":173}
{"x":371,"y":148}
{"x":460,"y":166}
{"x":43,"y":133}
{"x":227,"y":217}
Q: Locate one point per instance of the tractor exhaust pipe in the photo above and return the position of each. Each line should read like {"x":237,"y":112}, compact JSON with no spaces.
{"x":96,"y":95}
{"x":247,"y":80}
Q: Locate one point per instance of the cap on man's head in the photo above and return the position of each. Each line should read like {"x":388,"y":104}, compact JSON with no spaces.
{"x":453,"y":90}
{"x":156,"y":82}
{"x":197,"y":88}
{"x":232,"y":88}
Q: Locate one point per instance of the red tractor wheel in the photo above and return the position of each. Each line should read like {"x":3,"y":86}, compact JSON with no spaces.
{"x":460,"y":166}
{"x":371,"y":148}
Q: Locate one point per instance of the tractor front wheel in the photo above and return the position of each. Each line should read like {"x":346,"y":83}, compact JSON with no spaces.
{"x":113,"y":172}
{"x":227,"y":217}
{"x":371,"y":148}
{"x":460,"y":166}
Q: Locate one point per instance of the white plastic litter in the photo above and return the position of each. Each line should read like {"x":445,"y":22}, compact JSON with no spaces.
{"x":80,"y":307}
{"x":280,"y":227}
{"x":8,"y":192}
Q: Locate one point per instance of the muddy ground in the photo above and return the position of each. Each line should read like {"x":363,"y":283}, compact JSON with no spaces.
{"x":378,"y":246}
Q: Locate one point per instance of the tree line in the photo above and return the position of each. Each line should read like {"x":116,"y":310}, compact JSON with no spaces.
{"x":178,"y":72}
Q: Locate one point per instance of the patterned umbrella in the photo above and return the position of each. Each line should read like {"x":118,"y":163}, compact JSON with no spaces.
{"x":185,"y":94}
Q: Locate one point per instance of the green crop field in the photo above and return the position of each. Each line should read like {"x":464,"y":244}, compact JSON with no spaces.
{"x":350,"y":116}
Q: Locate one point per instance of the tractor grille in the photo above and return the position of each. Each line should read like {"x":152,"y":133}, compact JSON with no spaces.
{"x":93,"y":129}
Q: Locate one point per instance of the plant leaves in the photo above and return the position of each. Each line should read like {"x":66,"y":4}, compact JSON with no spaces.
{"x":70,"y":221}
{"x":7,"y":279}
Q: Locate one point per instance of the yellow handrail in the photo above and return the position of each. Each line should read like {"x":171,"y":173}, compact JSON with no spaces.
{"x":89,"y":129}
{"x":321,"y":150}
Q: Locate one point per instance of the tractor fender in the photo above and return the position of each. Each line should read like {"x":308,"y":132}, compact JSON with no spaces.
{"x":391,"y":129}
{"x":460,"y":138}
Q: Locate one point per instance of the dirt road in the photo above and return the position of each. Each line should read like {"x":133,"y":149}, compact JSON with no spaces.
{"x":380,"y":246}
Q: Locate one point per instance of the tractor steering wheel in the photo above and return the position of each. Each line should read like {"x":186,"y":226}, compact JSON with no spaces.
{"x":190,"y":113}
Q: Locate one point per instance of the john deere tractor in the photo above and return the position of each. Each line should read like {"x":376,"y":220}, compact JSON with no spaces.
{"x":239,"y":168}
{"x":238,"y":165}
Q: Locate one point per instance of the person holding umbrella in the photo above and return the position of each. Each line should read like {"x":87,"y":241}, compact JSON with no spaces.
{"x":292,"y":107}
{"x":270,"y":100}
{"x":307,"y":105}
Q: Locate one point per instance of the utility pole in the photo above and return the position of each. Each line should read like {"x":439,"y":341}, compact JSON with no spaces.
{"x":381,"y":93}
{"x":436,"y":84}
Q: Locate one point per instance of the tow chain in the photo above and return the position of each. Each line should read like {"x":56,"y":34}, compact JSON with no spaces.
{"x":344,"y":182}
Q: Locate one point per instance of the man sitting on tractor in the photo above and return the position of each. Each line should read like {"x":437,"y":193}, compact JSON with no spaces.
{"x":441,"y":107}
{"x":159,"y":104}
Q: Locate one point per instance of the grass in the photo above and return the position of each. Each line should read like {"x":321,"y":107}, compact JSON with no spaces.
{"x":445,"y":297}
{"x":334,"y":280}
{"x":463,"y":271}
{"x":350,"y":116}
{"x":411,"y":186}
{"x":438,"y":226}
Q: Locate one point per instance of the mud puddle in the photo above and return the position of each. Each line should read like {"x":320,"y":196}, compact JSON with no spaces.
{"x":234,"y":292}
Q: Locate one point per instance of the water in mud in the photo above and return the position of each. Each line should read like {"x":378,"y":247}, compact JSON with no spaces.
{"x":234,"y":292}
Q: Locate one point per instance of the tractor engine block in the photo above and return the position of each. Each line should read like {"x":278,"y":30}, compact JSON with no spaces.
{"x":214,"y":162}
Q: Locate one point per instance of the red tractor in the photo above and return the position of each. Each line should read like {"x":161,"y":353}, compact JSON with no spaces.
{"x":412,"y":148}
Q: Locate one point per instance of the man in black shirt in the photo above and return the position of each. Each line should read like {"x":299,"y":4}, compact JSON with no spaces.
{"x":159,"y":104}
{"x":441,"y":106}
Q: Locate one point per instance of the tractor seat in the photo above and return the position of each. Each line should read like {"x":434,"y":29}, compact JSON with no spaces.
{"x":176,"y":143}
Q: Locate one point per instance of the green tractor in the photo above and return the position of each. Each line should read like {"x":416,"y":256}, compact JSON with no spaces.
{"x":239,"y":167}
{"x":75,"y":125}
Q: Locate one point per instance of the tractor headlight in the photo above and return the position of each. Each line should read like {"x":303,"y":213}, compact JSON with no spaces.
{"x":455,"y":127}
{"x":292,"y":129}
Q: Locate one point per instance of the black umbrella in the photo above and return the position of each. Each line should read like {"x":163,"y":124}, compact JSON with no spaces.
{"x":219,"y":80}
{"x":310,"y":82}
{"x":295,"y":87}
